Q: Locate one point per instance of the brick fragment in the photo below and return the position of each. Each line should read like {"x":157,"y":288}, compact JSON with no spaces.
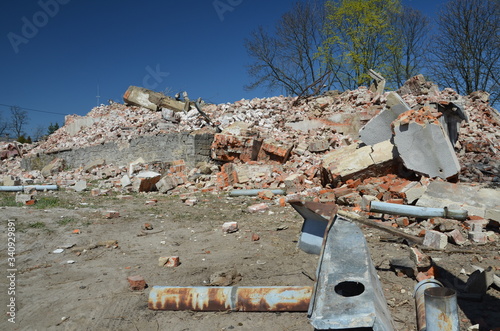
{"x":435,"y":239}
{"x":260,"y":207}
{"x":136,"y":283}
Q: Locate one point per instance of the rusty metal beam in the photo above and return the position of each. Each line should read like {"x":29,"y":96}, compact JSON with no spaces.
{"x":235,"y":298}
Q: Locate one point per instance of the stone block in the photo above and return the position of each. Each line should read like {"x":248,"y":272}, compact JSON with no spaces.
{"x":435,"y":239}
{"x":360,"y":163}
{"x":230,"y":227}
{"x":94,"y":164}
{"x":319,"y":146}
{"x":456,"y":237}
{"x":53,"y":167}
{"x":80,"y":186}
{"x":11,"y":181}
{"x":478,"y":237}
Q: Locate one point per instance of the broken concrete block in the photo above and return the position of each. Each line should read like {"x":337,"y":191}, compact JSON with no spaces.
{"x":435,"y":239}
{"x":125,"y":181}
{"x":319,"y":146}
{"x":230,"y":227}
{"x":378,"y":129}
{"x":139,"y":96}
{"x":413,"y":192}
{"x":74,"y":124}
{"x":94,"y":164}
{"x":367,"y":161}
{"x":80,"y":186}
{"x":478,"y":237}
{"x":166,"y":184}
{"x":11,"y":181}
{"x":456,"y":237}
{"x":53,"y":167}
{"x":294,"y":183}
{"x":260,"y":207}
{"x":25,"y":199}
{"x":473,"y":198}
{"x":426,"y":149}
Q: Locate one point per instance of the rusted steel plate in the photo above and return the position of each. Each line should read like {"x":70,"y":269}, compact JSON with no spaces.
{"x":242,"y":298}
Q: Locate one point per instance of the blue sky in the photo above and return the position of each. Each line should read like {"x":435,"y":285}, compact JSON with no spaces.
{"x":56,"y":52}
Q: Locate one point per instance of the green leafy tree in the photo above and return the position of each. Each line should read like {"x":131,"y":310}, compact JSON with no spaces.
{"x":361,"y":35}
{"x":52,"y":128}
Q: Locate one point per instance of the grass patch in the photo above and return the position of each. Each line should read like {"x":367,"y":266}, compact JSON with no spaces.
{"x":37,"y":225}
{"x":66,"y":221}
{"x":47,"y":202}
{"x":8,"y":200}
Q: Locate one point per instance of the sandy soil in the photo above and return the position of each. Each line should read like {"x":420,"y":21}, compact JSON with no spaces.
{"x":93,"y":293}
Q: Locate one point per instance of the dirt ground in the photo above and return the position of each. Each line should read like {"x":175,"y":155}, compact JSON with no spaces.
{"x":93,"y":293}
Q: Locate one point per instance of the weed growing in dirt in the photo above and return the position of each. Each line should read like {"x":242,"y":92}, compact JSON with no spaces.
{"x":47,"y":202}
{"x":66,"y":221}
{"x":8,"y":200}
{"x":37,"y":225}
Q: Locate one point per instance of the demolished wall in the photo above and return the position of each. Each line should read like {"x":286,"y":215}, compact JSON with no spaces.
{"x":190,"y":147}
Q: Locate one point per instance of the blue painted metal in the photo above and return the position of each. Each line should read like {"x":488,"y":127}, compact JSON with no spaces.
{"x":420,"y":299}
{"x":441,"y":309}
{"x":347,"y":293}
{"x":23,"y":187}
{"x":414,"y":211}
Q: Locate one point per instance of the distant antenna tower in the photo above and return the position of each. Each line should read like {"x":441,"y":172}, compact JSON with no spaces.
{"x":97,"y":96}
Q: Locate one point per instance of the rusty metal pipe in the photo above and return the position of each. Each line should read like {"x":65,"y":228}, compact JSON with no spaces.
{"x":441,"y":309}
{"x":235,"y":298}
{"x":420,"y":300}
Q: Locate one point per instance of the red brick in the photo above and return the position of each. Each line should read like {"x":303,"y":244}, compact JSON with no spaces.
{"x":136,"y":283}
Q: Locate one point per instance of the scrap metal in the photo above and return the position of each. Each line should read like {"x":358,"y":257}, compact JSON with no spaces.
{"x":234,"y":298}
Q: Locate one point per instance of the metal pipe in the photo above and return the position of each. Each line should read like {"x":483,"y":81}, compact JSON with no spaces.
{"x":253,"y":192}
{"x":415,"y":211}
{"x":441,"y":309}
{"x":235,"y":298}
{"x":23,"y":187}
{"x":420,"y":300}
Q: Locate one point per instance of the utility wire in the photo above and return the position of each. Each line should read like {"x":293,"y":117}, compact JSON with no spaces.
{"x":36,"y":110}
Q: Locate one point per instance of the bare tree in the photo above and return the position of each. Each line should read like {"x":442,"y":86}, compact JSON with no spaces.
{"x":4,"y":126}
{"x":288,"y":59}
{"x":19,"y":119}
{"x":467,"y":49}
{"x":413,"y":38}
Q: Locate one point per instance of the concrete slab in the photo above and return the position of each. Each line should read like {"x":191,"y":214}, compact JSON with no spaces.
{"x":478,"y":201}
{"x":426,"y":149}
{"x":378,"y":129}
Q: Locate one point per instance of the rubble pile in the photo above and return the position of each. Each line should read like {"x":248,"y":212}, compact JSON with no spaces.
{"x":351,"y":147}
